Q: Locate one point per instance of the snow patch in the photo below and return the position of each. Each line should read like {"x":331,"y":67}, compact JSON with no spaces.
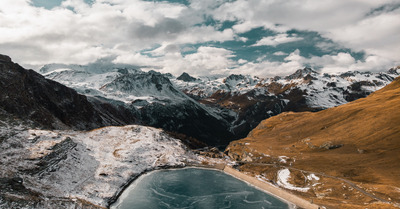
{"x":312,"y":176}
{"x":92,"y":165}
{"x":283,"y":181}
{"x":283,"y":159}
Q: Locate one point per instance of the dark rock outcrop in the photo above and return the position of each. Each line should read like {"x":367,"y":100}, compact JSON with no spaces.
{"x":27,"y":94}
{"x":186,"y":77}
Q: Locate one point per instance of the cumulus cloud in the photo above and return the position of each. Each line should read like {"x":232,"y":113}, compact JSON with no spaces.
{"x":76,"y":32}
{"x":370,"y":26}
{"x":337,"y":63}
{"x":207,"y":60}
{"x":276,"y":40}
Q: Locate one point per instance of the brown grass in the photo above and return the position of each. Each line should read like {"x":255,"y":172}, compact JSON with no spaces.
{"x":364,"y":136}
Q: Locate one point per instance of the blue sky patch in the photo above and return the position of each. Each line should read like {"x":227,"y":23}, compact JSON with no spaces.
{"x":309,"y":46}
{"x":50,"y":4}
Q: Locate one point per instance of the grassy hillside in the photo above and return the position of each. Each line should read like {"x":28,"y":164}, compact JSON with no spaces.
{"x":358,"y":142}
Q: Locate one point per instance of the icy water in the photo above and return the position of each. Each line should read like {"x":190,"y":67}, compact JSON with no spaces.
{"x":194,"y":188}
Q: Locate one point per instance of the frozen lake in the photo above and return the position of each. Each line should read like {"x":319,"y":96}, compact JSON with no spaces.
{"x":194,"y":188}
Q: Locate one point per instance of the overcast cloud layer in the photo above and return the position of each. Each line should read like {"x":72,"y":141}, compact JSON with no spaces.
{"x":202,"y":37}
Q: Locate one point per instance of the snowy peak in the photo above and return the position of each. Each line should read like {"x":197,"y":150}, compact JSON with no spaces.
{"x":234,"y":77}
{"x":186,"y":77}
{"x":150,"y":85}
{"x":98,"y":67}
{"x":115,"y":82}
{"x":49,"y":68}
{"x":394,"y":70}
{"x":239,"y":81}
{"x":301,"y":73}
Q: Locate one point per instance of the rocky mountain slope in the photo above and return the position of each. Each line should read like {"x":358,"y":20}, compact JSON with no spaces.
{"x":150,"y":97}
{"x":27,"y":94}
{"x":342,"y":157}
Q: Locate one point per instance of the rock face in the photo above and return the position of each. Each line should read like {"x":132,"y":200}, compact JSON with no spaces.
{"x":26,"y":93}
{"x":352,"y":149}
{"x":186,"y":77}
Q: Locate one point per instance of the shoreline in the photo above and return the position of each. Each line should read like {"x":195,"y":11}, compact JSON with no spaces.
{"x":270,"y":189}
{"x":292,"y":200}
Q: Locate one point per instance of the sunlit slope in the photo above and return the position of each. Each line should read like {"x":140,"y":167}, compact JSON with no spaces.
{"x":358,"y":141}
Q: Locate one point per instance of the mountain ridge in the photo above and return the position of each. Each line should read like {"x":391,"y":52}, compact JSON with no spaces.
{"x":236,"y":103}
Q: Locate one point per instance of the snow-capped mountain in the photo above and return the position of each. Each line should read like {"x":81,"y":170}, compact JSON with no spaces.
{"x":151,"y":97}
{"x":321,"y":90}
{"x":244,"y":100}
{"x":143,"y":87}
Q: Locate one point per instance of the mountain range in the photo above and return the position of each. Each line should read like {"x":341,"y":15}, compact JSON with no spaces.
{"x":213,"y":109}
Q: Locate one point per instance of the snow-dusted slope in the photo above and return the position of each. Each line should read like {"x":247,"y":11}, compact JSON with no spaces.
{"x":121,"y":84}
{"x":93,"y":165}
{"x":149,"y":87}
{"x":205,"y":86}
{"x":326,"y":91}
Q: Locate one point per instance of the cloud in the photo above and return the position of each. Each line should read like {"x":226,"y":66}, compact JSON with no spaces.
{"x":337,"y":63}
{"x":206,"y":61}
{"x":378,"y":35}
{"x":369,"y":26}
{"x":280,"y":53}
{"x":276,"y":40}
{"x":173,"y":37}
{"x":76,"y":32}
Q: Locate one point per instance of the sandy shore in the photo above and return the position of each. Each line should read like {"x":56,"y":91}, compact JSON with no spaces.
{"x":280,"y":193}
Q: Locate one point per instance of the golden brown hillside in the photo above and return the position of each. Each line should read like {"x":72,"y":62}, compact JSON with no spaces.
{"x":353,"y":149}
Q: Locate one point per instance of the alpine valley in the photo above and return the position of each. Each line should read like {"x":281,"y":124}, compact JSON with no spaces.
{"x":74,"y":136}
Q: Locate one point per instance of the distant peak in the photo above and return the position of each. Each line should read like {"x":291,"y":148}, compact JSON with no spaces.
{"x":349,"y":74}
{"x":235,"y":77}
{"x":5,"y":58}
{"x":306,"y":70}
{"x":186,"y":77}
{"x":394,"y":70}
{"x":300,"y":73}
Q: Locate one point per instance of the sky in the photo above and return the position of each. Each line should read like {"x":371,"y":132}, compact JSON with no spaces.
{"x":205,"y":37}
